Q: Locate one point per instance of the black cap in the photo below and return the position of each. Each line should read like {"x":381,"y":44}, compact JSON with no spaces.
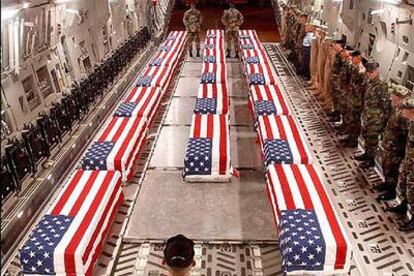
{"x":340,"y":41}
{"x":356,"y":53}
{"x":349,"y":48}
{"x":179,"y":251}
{"x":371,"y":66}
{"x":364,"y":61}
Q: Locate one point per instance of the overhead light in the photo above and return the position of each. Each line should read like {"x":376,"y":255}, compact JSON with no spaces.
{"x":394,"y":2}
{"x":25,"y":5}
{"x":20,"y":214}
{"x":377,"y":11}
{"x":8,"y":13}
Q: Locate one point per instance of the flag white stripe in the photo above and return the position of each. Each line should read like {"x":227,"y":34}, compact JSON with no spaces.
{"x":215,"y":168}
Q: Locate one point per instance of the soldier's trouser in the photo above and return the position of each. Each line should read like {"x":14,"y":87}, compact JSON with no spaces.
{"x":394,"y":152}
{"x":370,"y":133}
{"x":232,"y":38}
{"x":306,"y":62}
{"x":194,"y":37}
{"x":335,"y":94}
{"x":352,"y":123}
{"x":405,"y":188}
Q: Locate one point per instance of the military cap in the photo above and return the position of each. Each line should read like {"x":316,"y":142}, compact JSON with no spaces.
{"x":349,"y":48}
{"x":356,"y":53}
{"x":324,"y":28}
{"x":371,"y":66}
{"x":407,"y":103}
{"x":399,"y":90}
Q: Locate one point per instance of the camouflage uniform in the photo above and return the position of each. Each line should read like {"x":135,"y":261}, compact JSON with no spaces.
{"x":192,"y":21}
{"x":290,"y":25}
{"x":354,"y":100}
{"x":375,"y":115}
{"x":232,"y":20}
{"x":405,"y":188}
{"x":300,"y":35}
{"x":335,"y":88}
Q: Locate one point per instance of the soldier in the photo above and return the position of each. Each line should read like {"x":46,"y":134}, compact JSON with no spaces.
{"x":375,"y":114}
{"x":334,"y":85}
{"x":192,"y":21}
{"x":232,"y":19}
{"x":351,"y":106}
{"x":283,"y":25}
{"x":405,"y":187}
{"x":395,"y":137}
{"x":300,"y":35}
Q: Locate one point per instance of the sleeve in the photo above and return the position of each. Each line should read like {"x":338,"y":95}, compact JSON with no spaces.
{"x":185,"y":18}
{"x":241,"y":18}
{"x":386,"y":102}
{"x":224,"y":19}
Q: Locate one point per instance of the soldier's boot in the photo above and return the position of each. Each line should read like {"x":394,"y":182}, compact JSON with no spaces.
{"x":334,"y":117}
{"x":332,"y":113}
{"x":190,"y":52}
{"x":228,"y":53}
{"x":198,"y":52}
{"x":387,"y":195}
{"x":384,"y":186}
{"x":398,"y":209}
{"x":407,"y":226}
{"x":367,"y":164}
{"x":361,"y":156}
{"x":237,"y":54}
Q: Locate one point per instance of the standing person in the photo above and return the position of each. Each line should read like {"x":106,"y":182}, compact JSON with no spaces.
{"x":300,"y":35}
{"x":283,"y":25}
{"x":192,"y":21}
{"x":405,"y":188}
{"x":395,"y":139}
{"x":354,"y":83}
{"x":232,"y":19}
{"x":179,"y":256}
{"x":375,"y":114}
{"x":307,"y":43}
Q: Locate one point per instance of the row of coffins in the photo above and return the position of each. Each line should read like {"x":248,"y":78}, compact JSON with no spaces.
{"x":69,"y":237}
{"x":23,"y":155}
{"x":312,"y":239}
{"x":207,"y":157}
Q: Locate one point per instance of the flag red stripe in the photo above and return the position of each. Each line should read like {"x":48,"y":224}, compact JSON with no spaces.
{"x":68,"y":192}
{"x":269,"y":71}
{"x":280,"y":127}
{"x":269,"y":132}
{"x":85,"y":191}
{"x":298,"y":140}
{"x":138,"y":140}
{"x":210,"y":126}
{"x":271,"y":192}
{"x":131,"y":94}
{"x":284,"y":184}
{"x":120,"y":129}
{"x":70,"y":266}
{"x":205,"y":90}
{"x":197,"y":126}
{"x":223,"y":145}
{"x":107,"y":130}
{"x":341,"y":246}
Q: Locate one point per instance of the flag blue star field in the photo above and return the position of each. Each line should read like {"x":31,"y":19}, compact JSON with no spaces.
{"x":208,"y":78}
{"x":96,"y":156}
{"x":198,"y":156}
{"x":277,"y":151}
{"x":252,"y":60}
{"x":165,"y":48}
{"x":209,"y":59}
{"x":247,"y":46}
{"x":244,"y":36}
{"x":211,"y":35}
{"x":38,"y":251}
{"x":256,"y":79}
{"x":264,"y":108}
{"x":156,"y":62}
{"x":144,"y":81}
{"x":205,"y":106}
{"x":301,"y":241}
{"x":125,"y":109}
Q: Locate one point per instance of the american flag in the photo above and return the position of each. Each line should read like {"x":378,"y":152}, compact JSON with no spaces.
{"x":126,"y":135}
{"x":219,"y":69}
{"x":218,"y":92}
{"x":255,"y":53}
{"x":144,"y":102}
{"x":285,"y":128}
{"x":156,"y":62}
{"x":70,"y":236}
{"x":209,"y":59}
{"x":264,"y":108}
{"x":270,"y":93}
{"x":219,"y":34}
{"x":205,"y":106}
{"x":263,"y":70}
{"x":247,"y":46}
{"x":217,"y":51}
{"x":198,"y":157}
{"x":256,"y":79}
{"x":155,"y":76}
{"x":208,"y":78}
{"x":298,"y":197}
{"x":248,"y":34}
{"x":277,"y":151}
{"x":216,"y":129}
{"x":165,"y":47}
{"x":254,"y":60}
{"x":254,"y":42}
{"x":177,"y":45}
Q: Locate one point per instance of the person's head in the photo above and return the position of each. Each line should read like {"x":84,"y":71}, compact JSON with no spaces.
{"x":338,"y":45}
{"x":407,"y":108}
{"x":346,"y":52}
{"x":309,"y":27}
{"x":397,"y":94}
{"x":179,"y":255}
{"x":356,"y":57}
{"x":303,"y":18}
{"x":372,"y":69}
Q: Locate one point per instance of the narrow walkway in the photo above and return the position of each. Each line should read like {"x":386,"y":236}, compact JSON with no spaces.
{"x":235,"y":211}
